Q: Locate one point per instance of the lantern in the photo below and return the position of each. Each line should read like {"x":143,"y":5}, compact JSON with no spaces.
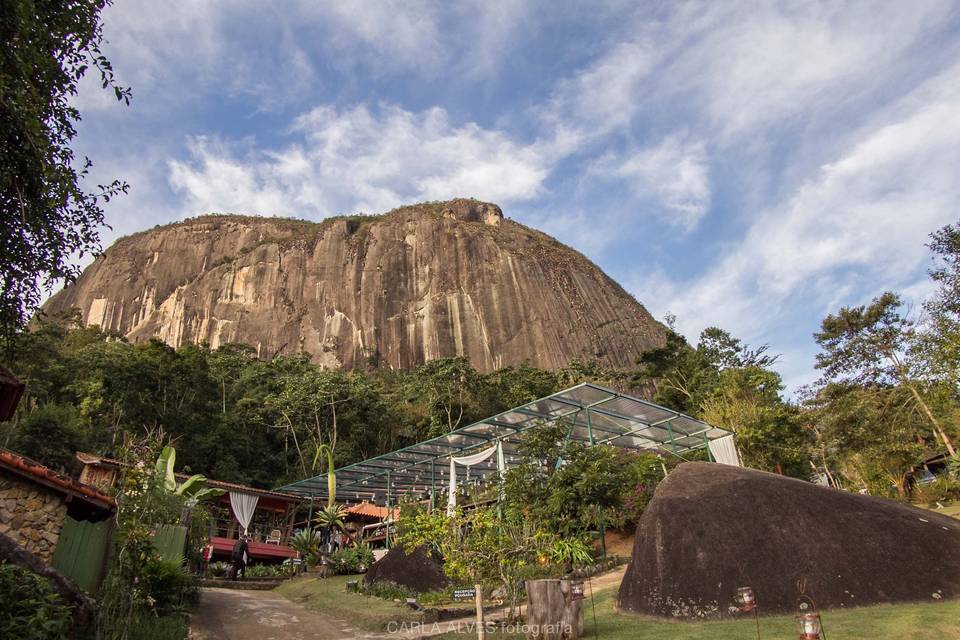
{"x":746,"y":601}
{"x":809,"y":625}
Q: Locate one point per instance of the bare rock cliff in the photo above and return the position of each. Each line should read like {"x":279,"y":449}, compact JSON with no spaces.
{"x":418,"y":283}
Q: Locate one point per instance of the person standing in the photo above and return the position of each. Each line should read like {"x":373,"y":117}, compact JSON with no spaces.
{"x":239,"y":557}
{"x":205,"y":557}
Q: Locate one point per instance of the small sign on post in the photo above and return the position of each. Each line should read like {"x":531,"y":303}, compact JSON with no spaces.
{"x":463,"y":594}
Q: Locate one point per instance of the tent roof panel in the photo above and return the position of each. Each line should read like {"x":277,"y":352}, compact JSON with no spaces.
{"x":595,"y":415}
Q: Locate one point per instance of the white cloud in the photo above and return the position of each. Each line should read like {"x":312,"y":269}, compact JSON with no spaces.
{"x":856,"y":227}
{"x":671,"y":177}
{"x":355,"y":159}
{"x":604,"y":96}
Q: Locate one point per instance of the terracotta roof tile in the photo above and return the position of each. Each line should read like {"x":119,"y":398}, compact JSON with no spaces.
{"x":93,"y":459}
{"x":369,"y":510}
{"x":30,"y":468}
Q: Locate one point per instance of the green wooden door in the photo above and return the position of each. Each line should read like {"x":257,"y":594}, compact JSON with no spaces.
{"x":170,"y":541}
{"x":81,"y":552}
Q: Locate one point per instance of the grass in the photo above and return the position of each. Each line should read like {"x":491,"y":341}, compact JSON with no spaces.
{"x":939,"y":620}
{"x":148,"y":627}
{"x":330,"y":597}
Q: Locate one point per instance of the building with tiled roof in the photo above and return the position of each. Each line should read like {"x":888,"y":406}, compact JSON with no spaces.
{"x":36,"y":502}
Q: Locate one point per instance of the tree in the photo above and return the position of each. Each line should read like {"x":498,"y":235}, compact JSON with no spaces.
{"x":868,"y":345}
{"x":873,"y":434}
{"x":747,"y":401}
{"x":48,"y":217}
{"x":450,"y":386}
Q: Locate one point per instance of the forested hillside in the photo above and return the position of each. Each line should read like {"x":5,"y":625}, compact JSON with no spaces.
{"x":887,"y":398}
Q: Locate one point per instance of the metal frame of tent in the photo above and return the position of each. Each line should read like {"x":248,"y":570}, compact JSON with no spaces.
{"x":594,"y":415}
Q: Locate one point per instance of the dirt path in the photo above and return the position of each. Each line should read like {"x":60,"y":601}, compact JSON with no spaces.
{"x":230,"y":614}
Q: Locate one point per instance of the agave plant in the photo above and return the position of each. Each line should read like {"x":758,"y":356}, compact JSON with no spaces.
{"x":306,"y":541}
{"x":331,"y":517}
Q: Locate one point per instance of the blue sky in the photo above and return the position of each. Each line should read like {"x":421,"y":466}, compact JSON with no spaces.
{"x":748,"y":165}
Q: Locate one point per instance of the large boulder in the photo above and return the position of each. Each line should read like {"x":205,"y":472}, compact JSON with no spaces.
{"x":711,"y":528}
{"x":418,"y":571}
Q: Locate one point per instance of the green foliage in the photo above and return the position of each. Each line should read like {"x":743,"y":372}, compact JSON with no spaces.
{"x":192,"y":488}
{"x":483,"y":548}
{"x":352,"y":559}
{"x":386,"y":590}
{"x":269,"y":571}
{"x":423,"y":528}
{"x":943,"y":489}
{"x":570,"y":489}
{"x":45,"y":50}
{"x":306,"y":542}
{"x":145,"y":626}
{"x":168,"y":585}
{"x":219,"y":569}
{"x":746,"y":400}
{"x":331,"y":517}
{"x":138,"y":580}
{"x":29,"y":607}
{"x":574,"y":553}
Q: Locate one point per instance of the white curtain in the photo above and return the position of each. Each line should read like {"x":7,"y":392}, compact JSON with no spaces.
{"x":469,"y":461}
{"x":243,"y":505}
{"x":724,"y":451}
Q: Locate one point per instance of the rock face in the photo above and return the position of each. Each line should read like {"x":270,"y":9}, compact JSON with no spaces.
{"x":418,"y":283}
{"x":712,"y":528}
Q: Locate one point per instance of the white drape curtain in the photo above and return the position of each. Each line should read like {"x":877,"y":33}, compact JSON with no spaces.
{"x":724,"y":451}
{"x":243,"y":505}
{"x":469,"y":461}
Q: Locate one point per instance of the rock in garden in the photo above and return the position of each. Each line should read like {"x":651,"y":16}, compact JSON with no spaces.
{"x":712,"y":528}
{"x":419,"y":571}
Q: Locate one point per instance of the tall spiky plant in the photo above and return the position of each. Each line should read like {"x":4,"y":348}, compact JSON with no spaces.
{"x":331,"y":473}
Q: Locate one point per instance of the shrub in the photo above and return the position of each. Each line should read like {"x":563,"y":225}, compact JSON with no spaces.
{"x":386,"y":590}
{"x":145,"y":626}
{"x":218,"y":569}
{"x":355,"y":559}
{"x":942,"y":489}
{"x":29,"y":607}
{"x":168,"y":585}
{"x":269,"y":571}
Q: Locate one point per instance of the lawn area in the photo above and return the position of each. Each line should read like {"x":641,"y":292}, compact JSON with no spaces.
{"x":951,"y":509}
{"x":330,"y":596}
{"x":939,"y":620}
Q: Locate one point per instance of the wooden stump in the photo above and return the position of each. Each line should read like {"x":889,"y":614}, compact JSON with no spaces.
{"x":555,"y":609}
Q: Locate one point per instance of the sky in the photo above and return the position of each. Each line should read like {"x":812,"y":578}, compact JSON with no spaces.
{"x":748,"y":165}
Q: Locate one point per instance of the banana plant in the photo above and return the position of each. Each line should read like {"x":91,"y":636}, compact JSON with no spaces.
{"x":331,"y":474}
{"x":192,"y":488}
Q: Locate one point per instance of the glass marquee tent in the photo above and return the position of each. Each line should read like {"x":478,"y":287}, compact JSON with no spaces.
{"x":593,"y":415}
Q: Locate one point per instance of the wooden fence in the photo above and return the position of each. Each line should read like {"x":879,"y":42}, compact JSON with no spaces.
{"x":81,"y":552}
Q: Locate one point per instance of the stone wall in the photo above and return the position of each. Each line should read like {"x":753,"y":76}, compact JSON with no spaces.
{"x":31,"y":514}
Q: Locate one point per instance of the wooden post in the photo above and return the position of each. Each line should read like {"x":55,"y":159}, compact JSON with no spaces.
{"x":554,"y":609}
{"x":481,"y":631}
